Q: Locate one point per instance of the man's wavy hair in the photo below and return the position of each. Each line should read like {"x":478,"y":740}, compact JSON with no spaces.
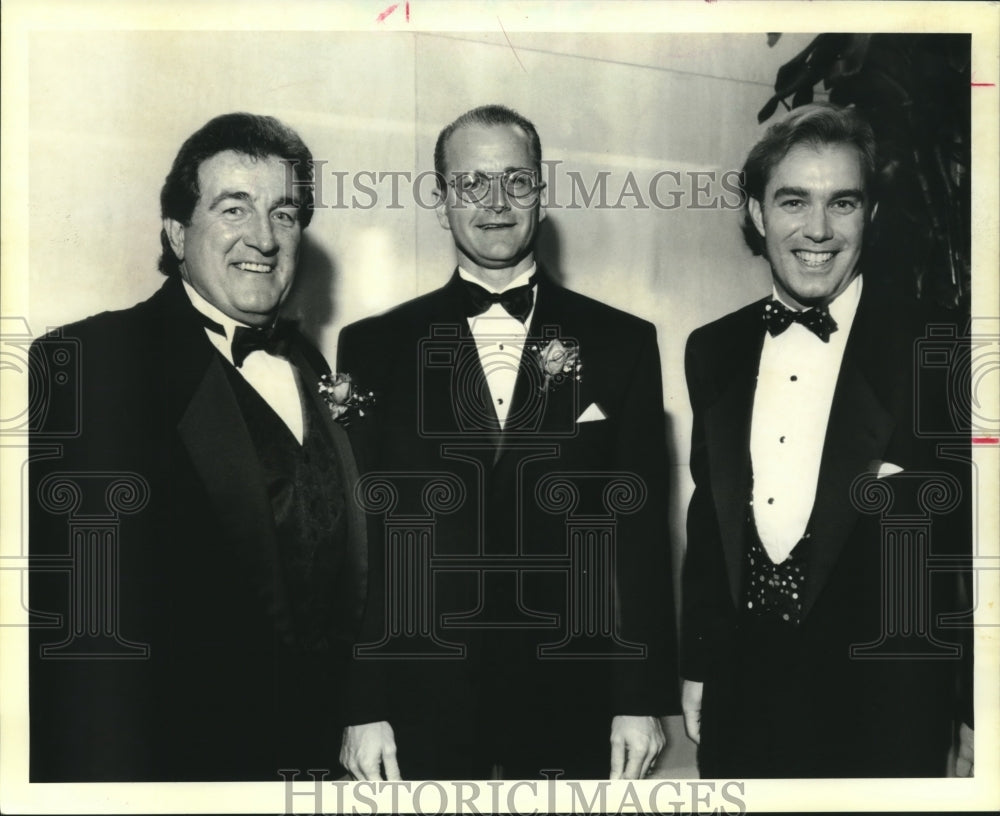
{"x":814,"y":125}
{"x":247,"y":133}
{"x":486,"y":116}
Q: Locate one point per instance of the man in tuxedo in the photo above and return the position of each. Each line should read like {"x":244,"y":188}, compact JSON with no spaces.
{"x":814,"y":634}
{"x":520,"y":425}
{"x":198,"y":568}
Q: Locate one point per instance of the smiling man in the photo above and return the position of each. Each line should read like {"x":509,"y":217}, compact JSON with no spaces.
{"x":791,"y":650}
{"x":217,"y":641}
{"x":543,"y":640}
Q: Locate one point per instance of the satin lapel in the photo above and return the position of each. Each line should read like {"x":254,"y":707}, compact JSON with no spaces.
{"x":859,"y":429}
{"x":355,"y":581}
{"x":215,"y":435}
{"x":727,"y":437}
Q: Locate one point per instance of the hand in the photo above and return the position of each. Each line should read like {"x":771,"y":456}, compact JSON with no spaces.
{"x":691,"y":706}
{"x":965,"y":760}
{"x":369,"y":748}
{"x":637,"y":739}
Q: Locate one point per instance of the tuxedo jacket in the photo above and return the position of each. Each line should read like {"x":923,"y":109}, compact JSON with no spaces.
{"x":189,"y":677}
{"x":802,"y":697}
{"x":501,"y":584}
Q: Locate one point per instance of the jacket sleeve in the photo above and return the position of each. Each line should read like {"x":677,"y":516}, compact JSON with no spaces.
{"x":645,"y":584}
{"x":704,"y":589}
{"x":366,"y":698}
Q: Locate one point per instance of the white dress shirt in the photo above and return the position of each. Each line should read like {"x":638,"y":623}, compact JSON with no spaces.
{"x":500,"y":342}
{"x":270,"y":376}
{"x":791,"y":409}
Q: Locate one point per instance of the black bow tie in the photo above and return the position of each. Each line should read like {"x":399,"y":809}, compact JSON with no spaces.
{"x":778,"y":317}
{"x":517,"y":302}
{"x":273,"y":340}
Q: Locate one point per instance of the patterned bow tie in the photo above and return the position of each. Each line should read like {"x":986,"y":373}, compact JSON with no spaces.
{"x":517,"y":302}
{"x":778,"y":317}
{"x":273,"y":340}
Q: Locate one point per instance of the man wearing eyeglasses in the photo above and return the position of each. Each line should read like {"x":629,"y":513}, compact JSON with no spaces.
{"x":519,"y":429}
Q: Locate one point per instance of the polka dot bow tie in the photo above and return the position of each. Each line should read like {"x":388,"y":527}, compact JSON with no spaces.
{"x":778,"y":317}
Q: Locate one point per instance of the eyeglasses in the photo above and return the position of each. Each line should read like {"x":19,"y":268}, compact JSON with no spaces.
{"x":520,"y":183}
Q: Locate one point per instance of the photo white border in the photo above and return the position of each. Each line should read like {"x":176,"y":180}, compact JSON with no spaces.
{"x":23,"y":16}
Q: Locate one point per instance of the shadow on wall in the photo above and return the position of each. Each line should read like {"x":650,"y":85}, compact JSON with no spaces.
{"x":311,"y":301}
{"x":548,"y":250}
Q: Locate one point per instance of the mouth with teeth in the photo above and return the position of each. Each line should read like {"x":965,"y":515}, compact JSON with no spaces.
{"x":813,"y":260}
{"x":492,"y":226}
{"x":248,"y":266}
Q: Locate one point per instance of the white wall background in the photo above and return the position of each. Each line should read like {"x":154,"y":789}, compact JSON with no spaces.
{"x":108,"y":111}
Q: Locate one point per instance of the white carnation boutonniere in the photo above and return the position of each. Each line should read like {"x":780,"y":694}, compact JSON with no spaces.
{"x":558,"y":362}
{"x":343,"y":397}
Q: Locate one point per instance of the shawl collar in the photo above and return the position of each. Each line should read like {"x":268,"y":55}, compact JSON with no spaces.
{"x":215,"y":436}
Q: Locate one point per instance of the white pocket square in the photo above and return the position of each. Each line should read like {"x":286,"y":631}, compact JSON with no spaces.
{"x":884,"y":469}
{"x":592,"y":414}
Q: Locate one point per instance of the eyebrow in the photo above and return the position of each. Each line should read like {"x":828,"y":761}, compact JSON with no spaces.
{"x":507,"y":169}
{"x":801,"y":192}
{"x":240,"y":195}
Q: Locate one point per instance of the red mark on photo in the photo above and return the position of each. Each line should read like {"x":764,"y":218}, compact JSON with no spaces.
{"x":391,"y":9}
{"x":985,"y":440}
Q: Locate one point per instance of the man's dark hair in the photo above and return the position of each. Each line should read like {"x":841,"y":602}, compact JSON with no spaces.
{"x":247,"y":133}
{"x":814,"y":125}
{"x":488,"y":116}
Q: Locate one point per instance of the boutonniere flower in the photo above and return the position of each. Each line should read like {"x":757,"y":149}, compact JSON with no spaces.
{"x":558,"y":361}
{"x":343,"y":397}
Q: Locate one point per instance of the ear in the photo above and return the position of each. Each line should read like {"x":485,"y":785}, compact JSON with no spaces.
{"x":441,"y":207}
{"x":175,"y":234}
{"x":756,"y":215}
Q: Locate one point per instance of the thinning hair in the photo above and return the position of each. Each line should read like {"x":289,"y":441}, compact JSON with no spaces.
{"x":246,"y":133}
{"x":813,"y":125}
{"x":487,"y":116}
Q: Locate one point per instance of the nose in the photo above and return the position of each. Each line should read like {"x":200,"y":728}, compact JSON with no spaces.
{"x":260,"y":234}
{"x":496,"y":200}
{"x":817,"y":227}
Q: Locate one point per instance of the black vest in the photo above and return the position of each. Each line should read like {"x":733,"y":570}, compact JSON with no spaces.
{"x":308,"y":504}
